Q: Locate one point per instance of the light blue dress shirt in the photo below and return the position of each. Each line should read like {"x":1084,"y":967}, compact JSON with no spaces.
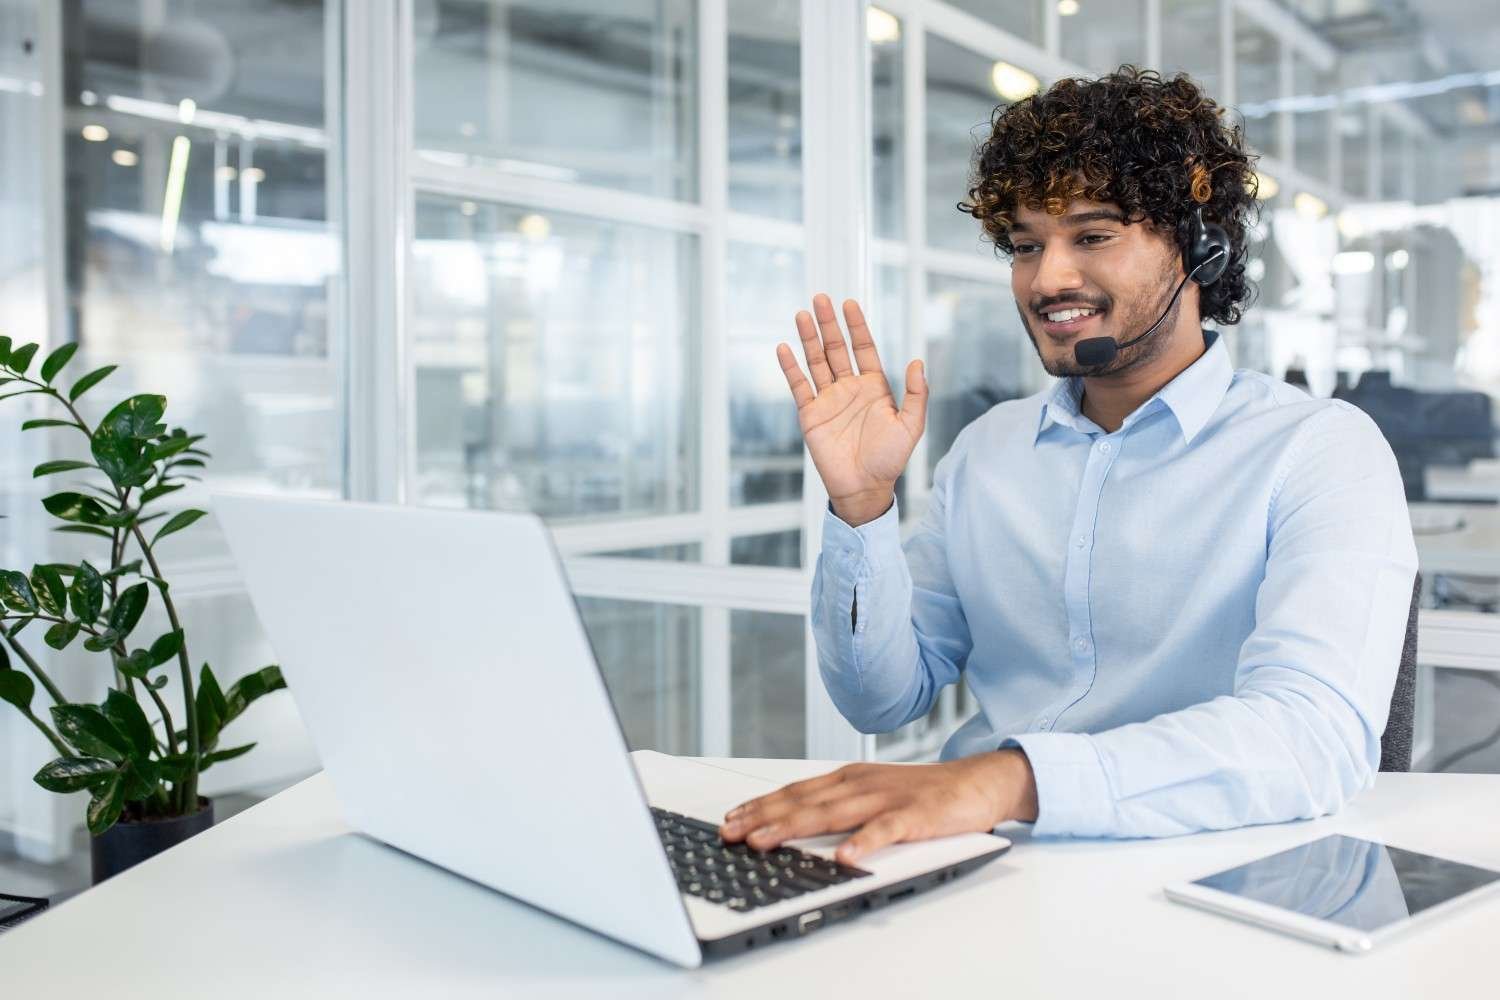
{"x":1191,"y":623}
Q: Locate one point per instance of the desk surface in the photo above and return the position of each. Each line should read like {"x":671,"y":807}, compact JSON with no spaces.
{"x":1471,"y":547}
{"x":282,"y":900}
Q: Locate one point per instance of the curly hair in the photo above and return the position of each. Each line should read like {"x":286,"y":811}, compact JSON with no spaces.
{"x":1156,"y":148}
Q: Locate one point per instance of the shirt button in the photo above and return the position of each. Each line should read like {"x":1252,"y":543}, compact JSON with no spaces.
{"x":1082,"y":541}
{"x":1042,"y":723}
{"x":1105,"y":447}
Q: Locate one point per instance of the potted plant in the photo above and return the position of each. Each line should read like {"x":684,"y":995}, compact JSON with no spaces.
{"x":138,"y":759}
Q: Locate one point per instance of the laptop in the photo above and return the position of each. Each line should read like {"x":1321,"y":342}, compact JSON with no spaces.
{"x":440,"y":664}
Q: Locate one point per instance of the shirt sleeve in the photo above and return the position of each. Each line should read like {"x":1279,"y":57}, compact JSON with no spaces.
{"x":1301,"y":731}
{"x":910,"y":637}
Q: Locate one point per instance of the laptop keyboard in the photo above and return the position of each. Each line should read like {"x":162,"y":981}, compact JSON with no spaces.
{"x":737,"y":875}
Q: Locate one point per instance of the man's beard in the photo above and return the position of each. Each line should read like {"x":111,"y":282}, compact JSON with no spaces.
{"x":1137,"y":321}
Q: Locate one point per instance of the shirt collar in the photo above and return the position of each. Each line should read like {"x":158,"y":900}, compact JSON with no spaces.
{"x":1192,"y":396}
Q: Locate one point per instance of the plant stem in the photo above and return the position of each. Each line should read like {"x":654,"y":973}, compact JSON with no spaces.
{"x":188,"y":790}
{"x":62,"y":748}
{"x":35,"y":668}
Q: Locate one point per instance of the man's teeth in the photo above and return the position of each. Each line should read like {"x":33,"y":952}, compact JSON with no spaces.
{"x":1067,"y":314}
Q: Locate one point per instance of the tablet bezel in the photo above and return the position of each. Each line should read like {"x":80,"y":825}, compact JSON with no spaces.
{"x":1315,"y":929}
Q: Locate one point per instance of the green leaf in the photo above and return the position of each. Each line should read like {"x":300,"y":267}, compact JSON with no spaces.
{"x":90,"y":380}
{"x":88,"y":729}
{"x":15,"y":591}
{"x":18,"y":626}
{"x":20,"y":358}
{"x":120,"y":518}
{"x":32,"y":425}
{"x":123,"y":569}
{"x":61,"y":634}
{"x":136,"y":665}
{"x":83,"y":529}
{"x":106,"y":805}
{"x":62,"y":465}
{"x":179,"y":521}
{"x":244,"y":692}
{"x":141,"y":777}
{"x":87,"y":593}
{"x":4,"y":350}
{"x":56,"y":360}
{"x":127,"y":609}
{"x":137,"y":417}
{"x":17,"y":689}
{"x":4,"y":658}
{"x":72,"y":774}
{"x":211,"y":708}
{"x":122,"y":710}
{"x":158,"y":491}
{"x":122,"y":459}
{"x":104,"y":640}
{"x":168,"y":447}
{"x":175,"y":767}
{"x":164,"y":648}
{"x":209,"y":760}
{"x":75,"y":507}
{"x":50,"y":589}
{"x":159,"y":683}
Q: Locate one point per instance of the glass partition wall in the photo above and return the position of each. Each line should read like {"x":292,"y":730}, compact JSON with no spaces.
{"x":509,"y":254}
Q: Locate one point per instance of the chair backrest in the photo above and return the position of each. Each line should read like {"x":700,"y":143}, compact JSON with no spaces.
{"x":1395,"y":742}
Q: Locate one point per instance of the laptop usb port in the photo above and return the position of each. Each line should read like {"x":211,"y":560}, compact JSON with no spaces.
{"x":809,"y":922}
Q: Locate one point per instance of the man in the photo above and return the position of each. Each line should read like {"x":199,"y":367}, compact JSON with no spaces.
{"x":1177,"y":590}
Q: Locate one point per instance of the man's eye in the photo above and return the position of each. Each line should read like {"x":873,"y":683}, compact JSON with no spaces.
{"x":1025,"y":248}
{"x":1096,"y":238}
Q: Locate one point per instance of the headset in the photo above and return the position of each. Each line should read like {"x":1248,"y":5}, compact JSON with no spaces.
{"x":1204,"y":258}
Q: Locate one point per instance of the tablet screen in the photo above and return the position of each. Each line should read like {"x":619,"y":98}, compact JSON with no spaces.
{"x":1355,"y":883}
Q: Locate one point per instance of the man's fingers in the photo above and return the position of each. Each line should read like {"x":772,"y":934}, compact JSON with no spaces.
{"x":886,"y":829}
{"x":812,"y":349}
{"x":769,"y":808}
{"x":914,"y":403}
{"x":859,"y":336}
{"x":834,"y":816}
{"x":833,"y":337}
{"x":802,"y":390}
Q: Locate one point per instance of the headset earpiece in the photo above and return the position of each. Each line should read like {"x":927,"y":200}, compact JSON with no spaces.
{"x":1207,"y":252}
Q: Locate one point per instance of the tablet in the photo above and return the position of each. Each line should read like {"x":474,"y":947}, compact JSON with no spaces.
{"x":1343,"y":892}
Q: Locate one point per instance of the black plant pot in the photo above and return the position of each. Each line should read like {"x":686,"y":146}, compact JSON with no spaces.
{"x":126,"y":845}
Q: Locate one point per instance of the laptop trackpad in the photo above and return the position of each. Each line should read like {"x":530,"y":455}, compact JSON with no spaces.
{"x":695,"y":788}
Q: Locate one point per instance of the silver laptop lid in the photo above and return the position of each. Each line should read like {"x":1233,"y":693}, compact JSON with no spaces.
{"x":439,"y":663}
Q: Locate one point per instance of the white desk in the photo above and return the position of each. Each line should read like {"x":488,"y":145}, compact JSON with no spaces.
{"x":283,"y":901}
{"x":1473,"y":548}
{"x":1479,"y":480}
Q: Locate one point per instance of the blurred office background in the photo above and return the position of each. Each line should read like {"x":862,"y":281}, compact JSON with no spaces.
{"x":536,"y":254}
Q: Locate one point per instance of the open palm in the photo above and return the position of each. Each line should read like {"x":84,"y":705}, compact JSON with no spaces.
{"x":859,"y":439}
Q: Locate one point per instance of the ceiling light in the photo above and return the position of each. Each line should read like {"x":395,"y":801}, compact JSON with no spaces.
{"x":95,"y":133}
{"x":125,"y":157}
{"x":186,"y":109}
{"x":1397,"y":260}
{"x":468,"y":208}
{"x":1266,"y":186}
{"x":226,"y":174}
{"x":171,"y":203}
{"x":252,"y":175}
{"x":534,"y":227}
{"x":1012,"y":82}
{"x":1067,"y":8}
{"x":1309,"y":206}
{"x":88,"y":98}
{"x":1353,"y":262}
{"x":1351,"y":226}
{"x":881,"y":26}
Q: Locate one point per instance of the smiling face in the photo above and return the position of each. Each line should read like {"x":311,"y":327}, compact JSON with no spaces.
{"x":1087,"y":273}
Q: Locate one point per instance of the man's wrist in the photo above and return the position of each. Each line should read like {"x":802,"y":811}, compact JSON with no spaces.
{"x":863,"y":508}
{"x":1018,"y":785}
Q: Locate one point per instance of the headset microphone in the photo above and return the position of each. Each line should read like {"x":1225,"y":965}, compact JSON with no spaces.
{"x":1207,"y":252}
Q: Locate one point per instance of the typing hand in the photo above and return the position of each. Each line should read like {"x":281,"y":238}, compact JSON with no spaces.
{"x":859,"y":441}
{"x":889,"y":803}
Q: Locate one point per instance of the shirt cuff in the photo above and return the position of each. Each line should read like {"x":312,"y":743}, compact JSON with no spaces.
{"x":1072,"y":791}
{"x":876,"y":543}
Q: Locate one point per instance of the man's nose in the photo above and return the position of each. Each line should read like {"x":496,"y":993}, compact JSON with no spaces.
{"x":1056,"y":273}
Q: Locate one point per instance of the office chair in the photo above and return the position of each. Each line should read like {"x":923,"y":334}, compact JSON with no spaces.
{"x":1395,"y":742}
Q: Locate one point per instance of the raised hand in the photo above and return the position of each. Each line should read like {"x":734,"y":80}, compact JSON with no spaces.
{"x":859,"y":440}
